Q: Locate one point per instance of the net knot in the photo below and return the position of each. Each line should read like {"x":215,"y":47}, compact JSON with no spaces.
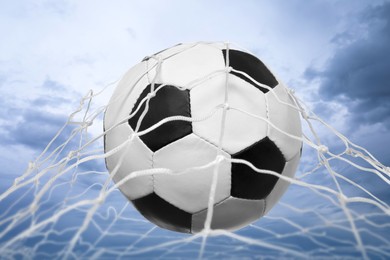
{"x":219,"y":158}
{"x":291,"y":91}
{"x":100,"y":199}
{"x":226,"y":106}
{"x":228,"y":69}
{"x":18,"y":179}
{"x":323,"y":149}
{"x":151,"y":95}
{"x":31,"y":165}
{"x":304,"y":115}
{"x":89,"y":94}
{"x":342,"y":198}
{"x":88,"y":123}
{"x":33,"y":207}
{"x":131,"y":137}
{"x":71,"y":154}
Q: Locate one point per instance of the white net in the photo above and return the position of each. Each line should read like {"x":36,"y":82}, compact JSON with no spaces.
{"x":66,"y":206}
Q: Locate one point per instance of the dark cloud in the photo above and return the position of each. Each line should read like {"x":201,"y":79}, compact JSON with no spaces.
{"x":32,"y":123}
{"x":359,"y":72}
{"x":36,"y":129}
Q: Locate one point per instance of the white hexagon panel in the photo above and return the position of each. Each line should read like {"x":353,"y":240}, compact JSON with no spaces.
{"x":184,"y":64}
{"x":132,"y":156}
{"x":189,"y":187}
{"x":284,"y":115}
{"x":241,"y":127}
{"x":125,"y":95}
{"x":230,"y":214}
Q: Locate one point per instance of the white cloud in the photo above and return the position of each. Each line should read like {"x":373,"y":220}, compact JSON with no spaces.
{"x":83,"y":44}
{"x":86,"y":45}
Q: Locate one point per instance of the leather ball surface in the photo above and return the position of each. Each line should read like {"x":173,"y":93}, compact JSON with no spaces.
{"x":170,"y":111}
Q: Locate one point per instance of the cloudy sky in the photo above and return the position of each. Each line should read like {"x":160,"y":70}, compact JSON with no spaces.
{"x":335,"y":54}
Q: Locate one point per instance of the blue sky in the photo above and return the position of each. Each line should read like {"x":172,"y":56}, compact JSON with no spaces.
{"x":335,"y":54}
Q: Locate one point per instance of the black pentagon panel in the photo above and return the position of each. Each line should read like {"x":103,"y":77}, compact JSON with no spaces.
{"x":163,"y":214}
{"x":252,"y":66}
{"x":249,"y":184}
{"x":168,"y":101}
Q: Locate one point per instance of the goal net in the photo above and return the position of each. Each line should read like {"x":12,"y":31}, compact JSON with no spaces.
{"x":66,"y":206}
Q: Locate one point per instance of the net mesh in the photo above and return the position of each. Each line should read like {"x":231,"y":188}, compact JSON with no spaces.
{"x":66,"y":206}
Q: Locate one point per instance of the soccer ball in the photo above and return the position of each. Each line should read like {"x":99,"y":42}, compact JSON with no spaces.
{"x":195,"y":109}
